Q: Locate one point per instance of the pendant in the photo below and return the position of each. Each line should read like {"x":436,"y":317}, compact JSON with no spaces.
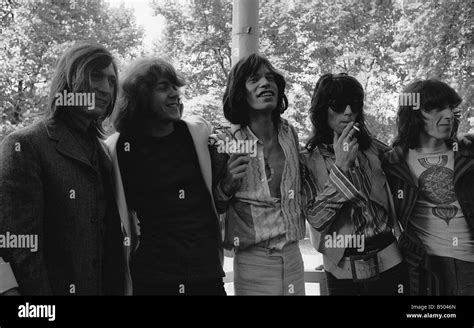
{"x":269,"y":171}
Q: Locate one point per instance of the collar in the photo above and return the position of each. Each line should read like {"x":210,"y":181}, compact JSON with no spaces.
{"x":283,"y":128}
{"x":395,"y":156}
{"x":77,"y":123}
{"x":326,"y":150}
{"x":66,"y":143}
{"x":252,"y":135}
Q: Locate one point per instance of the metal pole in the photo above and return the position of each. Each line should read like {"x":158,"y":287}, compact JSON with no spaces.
{"x":244,"y":29}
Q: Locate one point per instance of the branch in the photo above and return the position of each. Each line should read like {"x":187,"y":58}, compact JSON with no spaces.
{"x":308,"y":92}
{"x":220,"y":61}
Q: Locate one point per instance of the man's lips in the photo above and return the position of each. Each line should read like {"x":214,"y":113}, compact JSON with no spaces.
{"x":266,"y":93}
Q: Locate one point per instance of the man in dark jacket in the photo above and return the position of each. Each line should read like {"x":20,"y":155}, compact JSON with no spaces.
{"x":431,"y":176}
{"x":56,"y":192}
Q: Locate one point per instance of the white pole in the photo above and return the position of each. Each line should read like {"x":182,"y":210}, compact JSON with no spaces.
{"x":244,"y":29}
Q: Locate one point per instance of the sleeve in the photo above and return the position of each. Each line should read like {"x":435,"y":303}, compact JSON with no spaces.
{"x":219,"y":162}
{"x":295,"y":136}
{"x":322,"y":208}
{"x":7,"y":278}
{"x":21,"y":212}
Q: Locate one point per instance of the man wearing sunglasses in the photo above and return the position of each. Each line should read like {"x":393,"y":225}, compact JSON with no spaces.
{"x":348,"y":202}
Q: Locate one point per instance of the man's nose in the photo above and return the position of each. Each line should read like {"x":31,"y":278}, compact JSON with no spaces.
{"x":174,"y":92}
{"x":450,"y":114}
{"x":348,"y":110}
{"x":263,"y":81}
{"x":104,"y":86}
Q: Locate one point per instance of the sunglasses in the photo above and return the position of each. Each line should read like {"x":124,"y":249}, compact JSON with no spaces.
{"x":340,"y":107}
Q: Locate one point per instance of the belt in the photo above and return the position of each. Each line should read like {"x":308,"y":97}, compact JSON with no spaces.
{"x":368,"y":266}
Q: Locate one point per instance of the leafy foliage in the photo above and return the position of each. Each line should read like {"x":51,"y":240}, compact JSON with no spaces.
{"x":34,"y":34}
{"x":385,"y":44}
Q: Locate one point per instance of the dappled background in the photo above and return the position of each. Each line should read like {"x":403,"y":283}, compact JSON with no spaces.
{"x":385,"y":44}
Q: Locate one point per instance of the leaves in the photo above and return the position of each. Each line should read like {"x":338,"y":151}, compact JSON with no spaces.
{"x":385,"y":44}
{"x":382,"y":43}
{"x":40,"y":32}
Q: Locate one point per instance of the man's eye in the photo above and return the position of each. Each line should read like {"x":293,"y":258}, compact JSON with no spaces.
{"x":271,"y":77}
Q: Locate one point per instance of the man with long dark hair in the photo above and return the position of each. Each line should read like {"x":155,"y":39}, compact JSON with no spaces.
{"x":259,"y":187}
{"x":348,"y":203}
{"x":162,"y":170}
{"x":56,"y":187}
{"x":431,"y":175}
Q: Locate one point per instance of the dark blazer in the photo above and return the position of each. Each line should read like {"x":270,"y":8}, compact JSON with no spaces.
{"x":48,"y":187}
{"x":405,"y":194}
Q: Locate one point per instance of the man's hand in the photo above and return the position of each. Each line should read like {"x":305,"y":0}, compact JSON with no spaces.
{"x":235,"y":171}
{"x":345,"y":148}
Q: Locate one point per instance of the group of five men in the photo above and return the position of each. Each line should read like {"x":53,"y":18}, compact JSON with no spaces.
{"x":149,"y":211}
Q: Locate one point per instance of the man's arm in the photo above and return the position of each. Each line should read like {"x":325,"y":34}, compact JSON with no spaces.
{"x":21,"y":211}
{"x":321,"y":209}
{"x":8,"y":284}
{"x":219,"y":162}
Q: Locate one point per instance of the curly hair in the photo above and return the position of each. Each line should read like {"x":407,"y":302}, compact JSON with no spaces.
{"x":433,"y":94}
{"x":236,"y":107}
{"x":340,"y":90}
{"x":141,"y":77}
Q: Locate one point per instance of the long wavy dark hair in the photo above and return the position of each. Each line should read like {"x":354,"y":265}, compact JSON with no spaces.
{"x":236,"y":107}
{"x":136,"y":86}
{"x":341,"y":90}
{"x":433,"y":94}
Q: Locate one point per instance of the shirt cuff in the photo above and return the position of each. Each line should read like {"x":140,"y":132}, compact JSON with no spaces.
{"x":344,"y":186}
{"x":7,"y":278}
{"x":220,"y":194}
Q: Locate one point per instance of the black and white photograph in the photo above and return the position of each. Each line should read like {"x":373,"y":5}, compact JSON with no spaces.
{"x":181,"y":148}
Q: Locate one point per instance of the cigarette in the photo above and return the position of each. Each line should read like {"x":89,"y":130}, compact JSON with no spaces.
{"x":356,"y":128}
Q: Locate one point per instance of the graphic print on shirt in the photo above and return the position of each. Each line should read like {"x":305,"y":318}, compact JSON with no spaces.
{"x":436,"y":187}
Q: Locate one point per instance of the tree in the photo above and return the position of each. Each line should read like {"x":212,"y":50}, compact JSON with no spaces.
{"x":39,"y":32}
{"x":434,"y":40}
{"x":198,"y":41}
{"x":385,"y":44}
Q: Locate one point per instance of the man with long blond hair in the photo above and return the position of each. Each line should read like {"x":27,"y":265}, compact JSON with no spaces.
{"x":56,"y":192}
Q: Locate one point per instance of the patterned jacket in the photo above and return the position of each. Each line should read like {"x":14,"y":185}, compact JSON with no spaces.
{"x":405,"y":193}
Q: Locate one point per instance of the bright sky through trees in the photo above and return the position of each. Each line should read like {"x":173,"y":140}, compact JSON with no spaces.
{"x":153,"y":25}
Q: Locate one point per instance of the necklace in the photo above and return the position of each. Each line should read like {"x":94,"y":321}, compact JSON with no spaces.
{"x":268,"y":169}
